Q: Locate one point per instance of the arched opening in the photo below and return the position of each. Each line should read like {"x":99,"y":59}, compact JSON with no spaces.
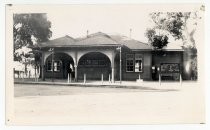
{"x":94,"y":64}
{"x":63,"y":64}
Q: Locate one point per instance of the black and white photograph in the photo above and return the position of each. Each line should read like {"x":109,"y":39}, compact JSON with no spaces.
{"x":105,"y":64}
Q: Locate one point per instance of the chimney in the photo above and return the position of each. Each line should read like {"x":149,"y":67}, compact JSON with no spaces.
{"x":87,"y":33}
{"x":130,"y":32}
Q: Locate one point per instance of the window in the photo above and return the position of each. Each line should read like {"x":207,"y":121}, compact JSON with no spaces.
{"x":138,"y":63}
{"x":93,"y":62}
{"x":134,"y":63}
{"x":57,"y":66}
{"x":49,"y":66}
{"x":129,"y":63}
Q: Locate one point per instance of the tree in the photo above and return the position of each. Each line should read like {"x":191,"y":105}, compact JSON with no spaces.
{"x":158,"y":41}
{"x":29,"y":29}
{"x":181,"y":25}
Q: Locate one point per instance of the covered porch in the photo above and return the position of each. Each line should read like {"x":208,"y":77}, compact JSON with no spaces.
{"x":92,"y":58}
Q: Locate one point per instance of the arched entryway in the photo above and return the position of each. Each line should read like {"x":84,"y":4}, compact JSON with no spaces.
{"x":63,"y":63}
{"x":94,"y":64}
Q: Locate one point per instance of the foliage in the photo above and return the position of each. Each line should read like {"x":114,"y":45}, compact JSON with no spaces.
{"x":29,"y":29}
{"x":181,"y":25}
{"x":158,"y":41}
{"x":176,"y":24}
{"x":150,"y":33}
{"x":173,"y":22}
{"x":194,"y":68}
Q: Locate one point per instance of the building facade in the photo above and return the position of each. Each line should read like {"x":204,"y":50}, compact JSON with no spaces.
{"x":101,"y":54}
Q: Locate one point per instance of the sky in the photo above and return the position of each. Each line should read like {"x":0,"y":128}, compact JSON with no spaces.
{"x":76,"y":20}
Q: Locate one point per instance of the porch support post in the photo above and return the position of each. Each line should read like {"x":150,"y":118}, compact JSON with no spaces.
{"x":113,"y":68}
{"x":112,"y":74}
{"x":43,"y":67}
{"x":75,"y":67}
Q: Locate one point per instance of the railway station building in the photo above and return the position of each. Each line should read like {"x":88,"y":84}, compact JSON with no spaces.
{"x":101,"y":54}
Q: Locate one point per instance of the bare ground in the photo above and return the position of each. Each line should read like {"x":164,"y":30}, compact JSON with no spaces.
{"x":45,"y":104}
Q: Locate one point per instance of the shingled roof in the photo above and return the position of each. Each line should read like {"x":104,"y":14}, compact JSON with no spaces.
{"x":131,"y":43}
{"x":59,"y":42}
{"x":97,"y":39}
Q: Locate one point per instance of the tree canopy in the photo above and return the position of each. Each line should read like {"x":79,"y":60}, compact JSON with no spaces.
{"x":29,"y":29}
{"x":157,"y":40}
{"x":175,"y":24}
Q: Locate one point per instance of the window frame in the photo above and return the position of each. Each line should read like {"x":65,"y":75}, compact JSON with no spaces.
{"x":134,"y":55}
{"x":127,"y":59}
{"x":139,"y":58}
{"x":59,"y":64}
{"x":93,"y":63}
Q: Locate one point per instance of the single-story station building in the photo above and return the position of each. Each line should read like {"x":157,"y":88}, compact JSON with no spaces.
{"x":99,"y":53}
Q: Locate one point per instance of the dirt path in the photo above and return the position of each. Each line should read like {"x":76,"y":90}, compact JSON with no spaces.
{"x":92,"y":105}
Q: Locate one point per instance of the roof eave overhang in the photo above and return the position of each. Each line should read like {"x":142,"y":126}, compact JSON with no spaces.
{"x":141,"y":49}
{"x":71,"y":46}
{"x":170,"y":50}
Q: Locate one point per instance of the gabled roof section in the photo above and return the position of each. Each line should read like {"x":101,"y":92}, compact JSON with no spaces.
{"x":100,"y":39}
{"x":99,"y":34}
{"x":59,"y":42}
{"x":131,"y":43}
{"x":97,"y":39}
